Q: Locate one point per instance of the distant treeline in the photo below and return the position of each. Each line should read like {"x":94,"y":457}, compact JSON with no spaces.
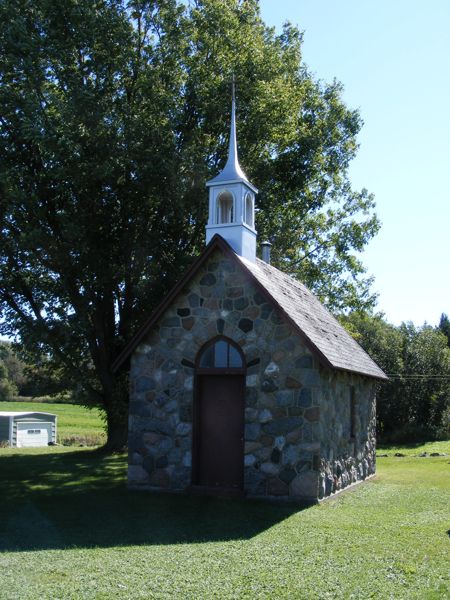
{"x":19,"y":379}
{"x":414,"y":405}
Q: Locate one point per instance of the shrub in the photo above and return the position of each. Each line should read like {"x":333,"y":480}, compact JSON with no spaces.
{"x":443,"y":430}
{"x":88,"y":439}
{"x":8,"y":390}
{"x":412,"y":433}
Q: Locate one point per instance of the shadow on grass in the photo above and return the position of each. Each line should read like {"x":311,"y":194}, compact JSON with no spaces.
{"x":79,"y":499}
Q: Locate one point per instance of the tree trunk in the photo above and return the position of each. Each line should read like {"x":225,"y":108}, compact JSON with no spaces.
{"x":117,"y":434}
{"x":116,"y":408}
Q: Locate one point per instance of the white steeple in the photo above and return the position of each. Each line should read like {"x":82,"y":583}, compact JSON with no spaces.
{"x":232,"y":201}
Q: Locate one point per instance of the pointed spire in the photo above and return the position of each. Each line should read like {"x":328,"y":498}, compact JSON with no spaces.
{"x":233,"y":161}
{"x":232,"y":170}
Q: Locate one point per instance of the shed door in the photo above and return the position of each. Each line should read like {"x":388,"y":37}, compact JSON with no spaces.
{"x":33,"y":434}
{"x":220,"y":431}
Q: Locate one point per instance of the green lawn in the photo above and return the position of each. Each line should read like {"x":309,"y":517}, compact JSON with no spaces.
{"x":70,"y":529}
{"x":76,"y":424}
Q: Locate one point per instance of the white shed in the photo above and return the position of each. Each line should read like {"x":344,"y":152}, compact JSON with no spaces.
{"x":27,"y":429}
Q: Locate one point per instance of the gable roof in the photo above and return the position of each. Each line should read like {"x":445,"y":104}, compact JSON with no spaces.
{"x":321,"y":332}
{"x":316,"y":323}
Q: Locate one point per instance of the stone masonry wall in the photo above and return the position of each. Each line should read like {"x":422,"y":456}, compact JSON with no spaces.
{"x":346,"y":460}
{"x":286,"y":449}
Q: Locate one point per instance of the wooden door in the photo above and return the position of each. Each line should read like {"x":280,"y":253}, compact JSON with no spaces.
{"x":220,"y":431}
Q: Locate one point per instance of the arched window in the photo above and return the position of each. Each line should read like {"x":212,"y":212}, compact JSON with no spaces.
{"x":225,"y":208}
{"x":249,"y":212}
{"x":220,"y":353}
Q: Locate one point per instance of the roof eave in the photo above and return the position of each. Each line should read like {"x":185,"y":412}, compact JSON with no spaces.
{"x":227,"y":181}
{"x":381,"y":377}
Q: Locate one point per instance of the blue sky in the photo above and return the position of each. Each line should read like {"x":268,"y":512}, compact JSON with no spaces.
{"x":393,"y":58}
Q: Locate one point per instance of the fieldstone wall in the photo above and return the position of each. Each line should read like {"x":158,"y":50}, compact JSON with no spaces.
{"x":345,"y":460}
{"x":292,"y":448}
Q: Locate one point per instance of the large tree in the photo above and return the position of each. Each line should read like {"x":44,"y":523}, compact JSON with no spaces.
{"x":113,"y":115}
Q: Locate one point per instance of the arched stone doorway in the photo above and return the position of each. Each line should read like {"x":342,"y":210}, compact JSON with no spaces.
{"x":218,"y":436}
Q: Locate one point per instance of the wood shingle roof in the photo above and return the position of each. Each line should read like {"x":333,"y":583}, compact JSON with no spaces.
{"x":316,"y":323}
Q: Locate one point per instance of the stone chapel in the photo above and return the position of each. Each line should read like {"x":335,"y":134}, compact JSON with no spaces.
{"x":241,"y":381}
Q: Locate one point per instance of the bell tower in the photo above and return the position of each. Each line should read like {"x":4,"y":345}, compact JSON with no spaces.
{"x":232,"y":201}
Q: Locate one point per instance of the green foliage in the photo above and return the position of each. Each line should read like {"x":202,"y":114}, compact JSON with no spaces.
{"x":14,"y":366}
{"x":8,"y":388}
{"x":3,"y":371}
{"x":444,"y":326}
{"x":415,"y":402}
{"x":112,"y":117}
{"x":38,"y":378}
{"x":71,"y":529}
{"x":426,"y":354}
{"x":44,"y":379}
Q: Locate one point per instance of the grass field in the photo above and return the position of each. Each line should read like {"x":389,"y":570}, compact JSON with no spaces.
{"x":76,"y":424}
{"x":70,"y":529}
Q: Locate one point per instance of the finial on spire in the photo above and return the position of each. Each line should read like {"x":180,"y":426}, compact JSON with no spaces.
{"x":232,"y":171}
{"x":233,"y":161}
